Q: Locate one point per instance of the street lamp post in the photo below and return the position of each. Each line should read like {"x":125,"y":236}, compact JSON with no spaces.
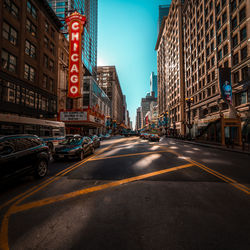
{"x":189,"y":124}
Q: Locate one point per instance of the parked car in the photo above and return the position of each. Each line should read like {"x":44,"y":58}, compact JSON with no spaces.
{"x":74,"y":147}
{"x":144,"y":135}
{"x":23,"y":154}
{"x":154,"y":137}
{"x":96,"y":141}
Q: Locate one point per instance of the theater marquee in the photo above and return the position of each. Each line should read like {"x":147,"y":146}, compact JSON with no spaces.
{"x":75,"y":24}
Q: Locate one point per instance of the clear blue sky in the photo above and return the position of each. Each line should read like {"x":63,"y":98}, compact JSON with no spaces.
{"x":127,"y":34}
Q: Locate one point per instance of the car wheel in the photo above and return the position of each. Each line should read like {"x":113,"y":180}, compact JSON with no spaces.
{"x":41,"y":169}
{"x":81,"y":155}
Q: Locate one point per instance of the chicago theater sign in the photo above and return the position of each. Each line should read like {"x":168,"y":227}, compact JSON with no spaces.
{"x":75,"y":24}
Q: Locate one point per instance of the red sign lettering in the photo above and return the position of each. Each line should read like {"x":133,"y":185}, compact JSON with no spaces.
{"x":75,"y":24}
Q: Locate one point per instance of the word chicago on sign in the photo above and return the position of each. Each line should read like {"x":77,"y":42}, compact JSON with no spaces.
{"x":75,"y":24}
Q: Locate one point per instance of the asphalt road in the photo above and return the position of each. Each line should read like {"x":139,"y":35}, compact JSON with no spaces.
{"x":133,"y":194}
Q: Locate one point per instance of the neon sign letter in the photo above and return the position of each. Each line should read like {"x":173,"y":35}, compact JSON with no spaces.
{"x":75,"y":24}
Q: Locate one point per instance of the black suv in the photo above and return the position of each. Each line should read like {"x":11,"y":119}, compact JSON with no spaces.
{"x":20,"y":154}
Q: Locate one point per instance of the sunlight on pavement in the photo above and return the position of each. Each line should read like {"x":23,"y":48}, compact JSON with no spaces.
{"x":197,"y":149}
{"x":189,"y":152}
{"x":154,"y":147}
{"x":111,"y":152}
{"x":173,"y":147}
{"x":184,"y":157}
{"x":214,"y":160}
{"x":146,"y":161}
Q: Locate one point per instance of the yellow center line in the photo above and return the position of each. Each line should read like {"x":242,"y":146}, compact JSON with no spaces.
{"x":127,"y":155}
{"x":4,"y":225}
{"x":222,"y":177}
{"x":63,"y":197}
{"x":53,"y":178}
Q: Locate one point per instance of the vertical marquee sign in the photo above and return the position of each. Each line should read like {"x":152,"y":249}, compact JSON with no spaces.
{"x":75,"y":24}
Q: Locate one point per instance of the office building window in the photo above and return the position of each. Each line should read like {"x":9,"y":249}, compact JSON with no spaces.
{"x":51,"y":84}
{"x":8,"y":61}
{"x":46,"y":61}
{"x":218,"y":24}
{"x":241,"y":98}
{"x":233,"y":5}
{"x":219,"y":39}
{"x":224,"y":33}
{"x":208,"y":92}
{"x":225,"y":50}
{"x":219,"y":54}
{"x":51,"y":65}
{"x":243,"y":53}
{"x":11,"y":7}
{"x":224,"y":17}
{"x":242,"y":14}
{"x":211,"y":33}
{"x":46,"y":42}
{"x":9,"y":33}
{"x":235,"y":59}
{"x":29,"y":73}
{"x":235,"y":40}
{"x":30,"y":49}
{"x":30,"y":27}
{"x":213,"y":75}
{"x":236,"y":77}
{"x":234,"y":23}
{"x":31,"y":9}
{"x":52,"y":48}
{"x":212,"y":61}
{"x":243,"y":34}
{"x":45,"y":81}
{"x":46,"y":26}
{"x":213,"y":89}
{"x":226,"y":64}
{"x":245,"y":73}
{"x":52,"y":33}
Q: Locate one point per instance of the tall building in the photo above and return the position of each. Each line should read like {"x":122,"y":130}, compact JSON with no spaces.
{"x":28,"y":49}
{"x":153,"y":83}
{"x":216,"y":35}
{"x":138,"y":124}
{"x":88,"y":8}
{"x":108,"y":80}
{"x":170,"y":68}
{"x":163,"y":11}
{"x":145,"y":105}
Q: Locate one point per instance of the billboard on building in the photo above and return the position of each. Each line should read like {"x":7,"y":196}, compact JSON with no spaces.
{"x":75,"y":24}
{"x":225,"y":84}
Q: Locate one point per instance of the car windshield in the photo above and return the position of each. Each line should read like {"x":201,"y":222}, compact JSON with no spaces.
{"x":72,"y":141}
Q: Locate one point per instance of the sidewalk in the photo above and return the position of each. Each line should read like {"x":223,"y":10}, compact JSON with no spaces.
{"x":236,"y":149}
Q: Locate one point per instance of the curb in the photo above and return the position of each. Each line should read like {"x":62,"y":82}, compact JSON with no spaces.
{"x":214,"y":146}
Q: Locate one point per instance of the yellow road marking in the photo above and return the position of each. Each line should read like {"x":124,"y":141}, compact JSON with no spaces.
{"x":63,"y":197}
{"x":222,"y":177}
{"x":232,"y":182}
{"x":127,"y":155}
{"x":4,"y":227}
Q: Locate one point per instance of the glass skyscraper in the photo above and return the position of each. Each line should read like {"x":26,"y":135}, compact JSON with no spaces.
{"x":88,"y":8}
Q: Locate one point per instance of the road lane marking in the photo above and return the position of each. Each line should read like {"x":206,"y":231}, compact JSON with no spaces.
{"x":127,"y":155}
{"x":72,"y":167}
{"x":222,"y":177}
{"x":63,"y":197}
{"x":230,"y":181}
{"x":4,"y":244}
